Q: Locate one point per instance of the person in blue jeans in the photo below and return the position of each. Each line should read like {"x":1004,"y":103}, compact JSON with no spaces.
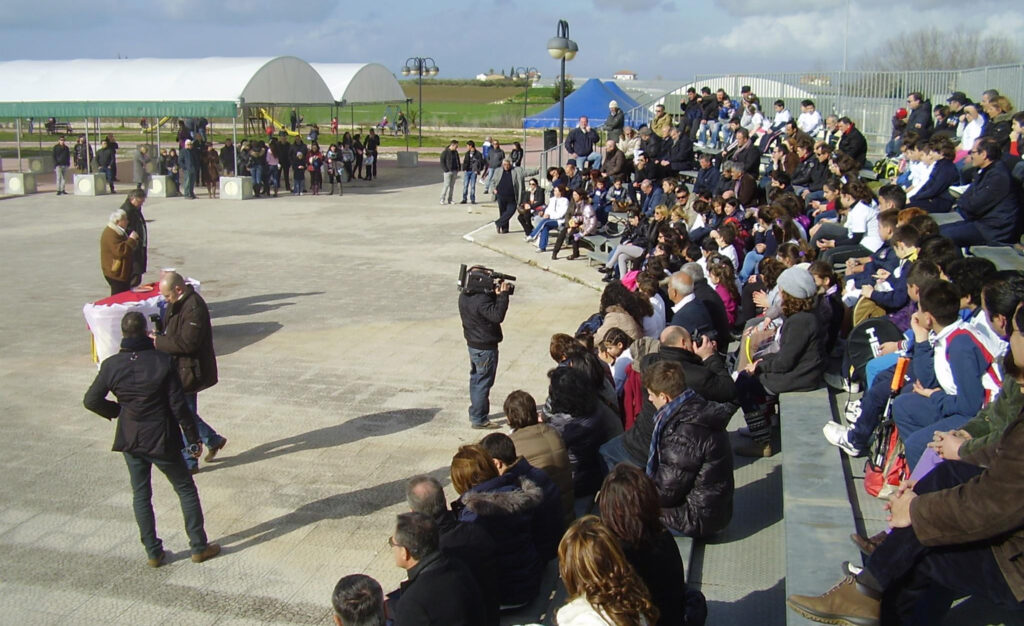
{"x":188,"y":337}
{"x":150,"y":405}
{"x":483,"y":302}
{"x":552,"y":218}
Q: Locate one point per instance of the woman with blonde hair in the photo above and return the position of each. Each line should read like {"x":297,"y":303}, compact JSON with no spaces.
{"x":602,"y":586}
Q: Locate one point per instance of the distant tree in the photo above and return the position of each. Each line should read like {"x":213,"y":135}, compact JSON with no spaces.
{"x":490,"y":72}
{"x":569,"y":88}
{"x":934,"y":49}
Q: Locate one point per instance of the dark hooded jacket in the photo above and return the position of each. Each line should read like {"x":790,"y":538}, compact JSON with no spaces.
{"x":505,"y":506}
{"x":188,"y":337}
{"x":710,"y":378}
{"x":475,"y":547}
{"x":151,"y":411}
{"x":692,"y":468}
{"x":583,"y":435}
{"x":548,"y":523}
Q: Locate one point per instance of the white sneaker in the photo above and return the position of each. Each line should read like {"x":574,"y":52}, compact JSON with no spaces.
{"x":837,"y":435}
{"x":852,"y":411}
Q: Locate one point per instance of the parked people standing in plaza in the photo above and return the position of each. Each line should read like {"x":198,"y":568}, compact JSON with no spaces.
{"x":83,"y":155}
{"x":105,"y":163}
{"x":112,"y":143}
{"x":61,"y":163}
{"x":189,"y":165}
{"x":188,"y":337}
{"x":494,"y":157}
{"x":450,"y":169}
{"x":139,"y":162}
{"x":472,"y":166}
{"x":151,"y":412}
{"x":132,"y":207}
{"x":371,"y":146}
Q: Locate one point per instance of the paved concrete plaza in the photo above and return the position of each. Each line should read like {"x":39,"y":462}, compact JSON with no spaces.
{"x":342,"y":372}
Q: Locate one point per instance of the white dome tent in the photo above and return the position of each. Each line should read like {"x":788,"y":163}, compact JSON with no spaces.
{"x":207,"y":87}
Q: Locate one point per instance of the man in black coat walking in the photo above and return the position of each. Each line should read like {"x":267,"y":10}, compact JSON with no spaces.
{"x":151,"y":416}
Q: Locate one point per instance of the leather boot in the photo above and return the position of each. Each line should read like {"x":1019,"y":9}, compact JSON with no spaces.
{"x":847,"y":603}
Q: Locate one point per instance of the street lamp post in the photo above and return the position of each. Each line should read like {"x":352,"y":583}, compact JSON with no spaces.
{"x":420,"y":66}
{"x":526,"y":73}
{"x":565,"y":49}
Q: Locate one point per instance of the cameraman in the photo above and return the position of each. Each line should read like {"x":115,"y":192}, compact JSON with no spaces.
{"x":482,"y":310}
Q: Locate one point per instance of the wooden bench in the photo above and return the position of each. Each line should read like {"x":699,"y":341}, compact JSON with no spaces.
{"x":58,"y":128}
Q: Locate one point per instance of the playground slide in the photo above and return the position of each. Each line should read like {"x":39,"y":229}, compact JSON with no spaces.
{"x":277,"y":124}
{"x":150,"y":129}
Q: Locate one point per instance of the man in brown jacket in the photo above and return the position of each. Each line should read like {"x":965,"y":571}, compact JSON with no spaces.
{"x":957,"y":531}
{"x":188,"y":337}
{"x":116,"y":251}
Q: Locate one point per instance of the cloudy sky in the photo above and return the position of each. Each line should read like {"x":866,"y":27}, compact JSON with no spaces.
{"x":666,"y":39}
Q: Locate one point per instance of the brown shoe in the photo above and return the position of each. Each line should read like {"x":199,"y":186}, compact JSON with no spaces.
{"x":157,"y":561}
{"x":756,"y":450}
{"x":212,"y":452}
{"x":846,"y":604}
{"x":211,"y":551}
{"x":867,"y":545}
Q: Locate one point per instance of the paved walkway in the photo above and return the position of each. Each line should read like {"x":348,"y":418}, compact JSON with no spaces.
{"x":343,"y":372}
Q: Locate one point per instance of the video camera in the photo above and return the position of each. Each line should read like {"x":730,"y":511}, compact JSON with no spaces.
{"x":479,"y":279}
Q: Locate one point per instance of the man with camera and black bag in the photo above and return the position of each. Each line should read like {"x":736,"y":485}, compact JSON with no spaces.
{"x":483,"y":302}
{"x":188,"y":337}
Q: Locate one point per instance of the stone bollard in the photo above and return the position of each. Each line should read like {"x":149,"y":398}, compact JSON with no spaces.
{"x":91,"y":185}
{"x":40,"y":164}
{"x":235,"y":188}
{"x":160,"y":186}
{"x":408,"y":159}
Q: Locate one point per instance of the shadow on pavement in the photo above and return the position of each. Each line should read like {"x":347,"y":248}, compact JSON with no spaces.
{"x":231,"y":338}
{"x":765,"y":607}
{"x":756,"y":506}
{"x":353,"y":503}
{"x":371,"y":425}
{"x":252,"y":305}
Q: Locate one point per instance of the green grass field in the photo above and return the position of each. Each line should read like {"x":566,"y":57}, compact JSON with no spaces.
{"x":471,"y":106}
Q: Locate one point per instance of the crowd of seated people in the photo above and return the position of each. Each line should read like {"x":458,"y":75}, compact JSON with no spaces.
{"x":720,"y":298}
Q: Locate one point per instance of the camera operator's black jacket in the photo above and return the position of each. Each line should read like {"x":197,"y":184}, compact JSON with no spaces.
{"x":482,"y":315}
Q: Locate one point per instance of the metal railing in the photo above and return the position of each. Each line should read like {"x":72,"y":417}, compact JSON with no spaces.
{"x":869,"y":98}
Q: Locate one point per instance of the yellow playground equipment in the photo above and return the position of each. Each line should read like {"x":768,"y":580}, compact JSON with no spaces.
{"x":278,"y":125}
{"x":152,"y":127}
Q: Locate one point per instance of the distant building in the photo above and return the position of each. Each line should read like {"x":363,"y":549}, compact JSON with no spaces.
{"x":489,"y":77}
{"x":624,"y":75}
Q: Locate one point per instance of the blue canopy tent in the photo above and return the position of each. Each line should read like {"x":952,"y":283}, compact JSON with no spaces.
{"x":591,"y":99}
{"x":626,"y":103}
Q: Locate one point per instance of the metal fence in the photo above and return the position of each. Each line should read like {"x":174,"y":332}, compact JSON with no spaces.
{"x":868,"y":98}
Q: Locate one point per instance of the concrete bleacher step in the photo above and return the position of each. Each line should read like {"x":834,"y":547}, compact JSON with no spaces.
{"x":1004,"y":257}
{"x":816,"y":504}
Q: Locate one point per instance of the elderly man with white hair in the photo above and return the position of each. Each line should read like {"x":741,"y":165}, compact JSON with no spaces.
{"x":615,"y":122}
{"x":116,"y":250}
